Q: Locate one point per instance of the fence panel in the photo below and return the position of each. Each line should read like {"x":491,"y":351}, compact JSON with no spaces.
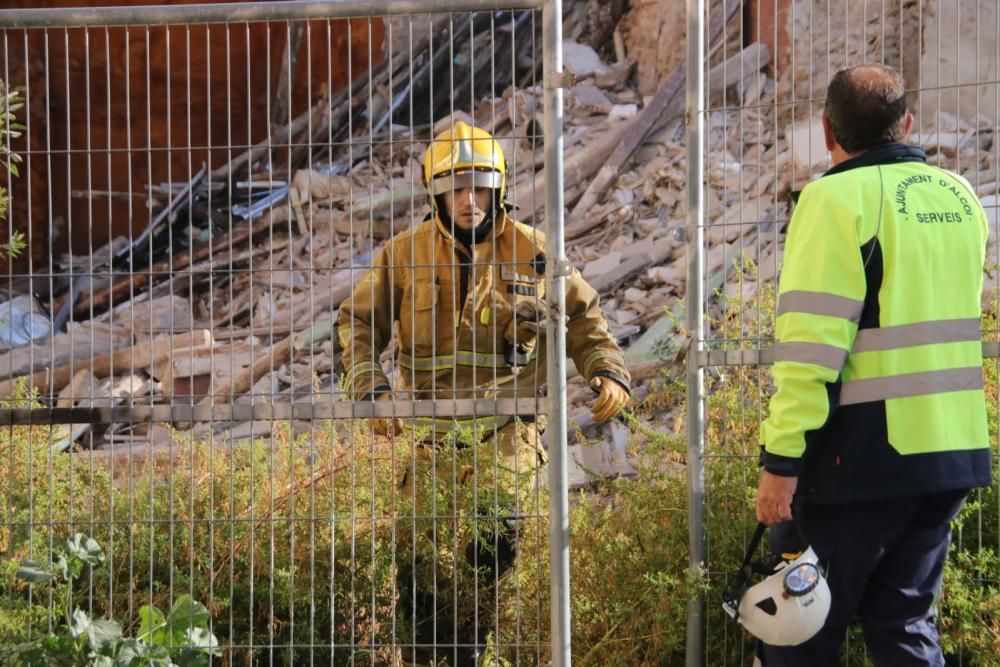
{"x":226,"y":261}
{"x":762,"y":140}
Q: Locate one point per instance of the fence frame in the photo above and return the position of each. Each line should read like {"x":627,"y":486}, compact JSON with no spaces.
{"x":699,"y":357}
{"x":558,"y":266}
{"x":695,"y":197}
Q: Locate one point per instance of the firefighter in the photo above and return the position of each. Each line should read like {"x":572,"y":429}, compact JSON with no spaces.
{"x":877,"y":430}
{"x":464,"y":292}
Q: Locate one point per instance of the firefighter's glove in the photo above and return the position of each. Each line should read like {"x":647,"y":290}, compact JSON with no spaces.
{"x":611,"y":398}
{"x":386,"y":427}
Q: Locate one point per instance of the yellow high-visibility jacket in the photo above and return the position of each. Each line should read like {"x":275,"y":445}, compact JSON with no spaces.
{"x":451,"y":309}
{"x":879,"y":367}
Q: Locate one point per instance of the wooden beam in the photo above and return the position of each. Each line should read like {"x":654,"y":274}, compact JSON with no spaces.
{"x":105,"y":365}
{"x":664,"y":106}
{"x":289,"y":58}
{"x":124,"y":287}
{"x":719,"y":78}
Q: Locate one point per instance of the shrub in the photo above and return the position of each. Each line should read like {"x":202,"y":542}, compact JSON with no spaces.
{"x":220,"y":524}
{"x":294,"y":544}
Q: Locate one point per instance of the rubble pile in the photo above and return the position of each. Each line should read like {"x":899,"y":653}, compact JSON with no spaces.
{"x":238,"y":303}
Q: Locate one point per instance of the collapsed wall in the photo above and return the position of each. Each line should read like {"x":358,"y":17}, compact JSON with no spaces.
{"x":943,"y":49}
{"x":827,"y":35}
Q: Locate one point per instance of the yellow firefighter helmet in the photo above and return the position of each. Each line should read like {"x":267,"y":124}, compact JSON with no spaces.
{"x":464,"y":156}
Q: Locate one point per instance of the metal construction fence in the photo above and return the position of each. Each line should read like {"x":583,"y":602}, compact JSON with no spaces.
{"x":201,"y":192}
{"x":749,"y":147}
{"x":257,"y":401}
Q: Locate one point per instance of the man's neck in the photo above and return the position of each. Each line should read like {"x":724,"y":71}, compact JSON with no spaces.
{"x":838,"y":155}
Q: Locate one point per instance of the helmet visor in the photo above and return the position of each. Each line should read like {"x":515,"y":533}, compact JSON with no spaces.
{"x":466,"y":179}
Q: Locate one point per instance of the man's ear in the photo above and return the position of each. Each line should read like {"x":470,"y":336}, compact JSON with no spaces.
{"x":831,"y":143}
{"x":907,"y":124}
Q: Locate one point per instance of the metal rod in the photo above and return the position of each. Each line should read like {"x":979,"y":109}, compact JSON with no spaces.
{"x":695,"y":90}
{"x":236,"y":13}
{"x":132,"y":414}
{"x":556,"y":272}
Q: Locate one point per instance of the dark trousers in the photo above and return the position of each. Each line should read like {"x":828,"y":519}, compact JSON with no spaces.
{"x":884,"y":562}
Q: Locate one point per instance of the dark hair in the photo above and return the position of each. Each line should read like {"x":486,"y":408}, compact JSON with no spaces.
{"x":866,"y":106}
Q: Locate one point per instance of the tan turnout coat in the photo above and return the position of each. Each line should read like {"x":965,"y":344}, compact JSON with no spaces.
{"x":450,"y":310}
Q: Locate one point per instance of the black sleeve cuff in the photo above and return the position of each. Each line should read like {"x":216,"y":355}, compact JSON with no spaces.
{"x":376,"y":392}
{"x":607,"y":373}
{"x":782,"y":466}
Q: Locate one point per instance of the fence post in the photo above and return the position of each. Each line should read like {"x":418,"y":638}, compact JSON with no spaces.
{"x":557,"y":269}
{"x":694,"y":88}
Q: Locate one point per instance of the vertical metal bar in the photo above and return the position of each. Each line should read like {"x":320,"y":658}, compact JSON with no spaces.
{"x":555,"y":340}
{"x":133,"y":362}
{"x":48,"y":118}
{"x":311,"y":274}
{"x":127,"y":75}
{"x":996,"y":257}
{"x":168,"y":159}
{"x":694,"y":93}
{"x":189,"y":150}
{"x":410,"y":528}
{"x":112,"y":563}
{"x":372,"y":600}
{"x":68,"y":152}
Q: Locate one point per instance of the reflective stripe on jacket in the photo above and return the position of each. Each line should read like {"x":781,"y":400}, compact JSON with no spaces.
{"x":451,"y":310}
{"x":878,"y":372}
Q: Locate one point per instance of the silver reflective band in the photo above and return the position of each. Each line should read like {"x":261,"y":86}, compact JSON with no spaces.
{"x":918,"y":333}
{"x":467,"y":358}
{"x":820,"y":354}
{"x":467,"y":179}
{"x":911,"y":384}
{"x":820,"y":303}
{"x":446,"y":362}
{"x":359,"y":369}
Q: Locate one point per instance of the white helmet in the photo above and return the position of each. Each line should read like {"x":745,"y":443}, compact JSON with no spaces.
{"x":788,"y":607}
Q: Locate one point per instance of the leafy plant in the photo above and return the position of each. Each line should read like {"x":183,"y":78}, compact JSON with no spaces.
{"x":179,"y":639}
{"x":10,"y":101}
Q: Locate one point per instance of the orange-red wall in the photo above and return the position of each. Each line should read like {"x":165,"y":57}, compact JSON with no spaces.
{"x":130,"y":132}
{"x":767,"y":21}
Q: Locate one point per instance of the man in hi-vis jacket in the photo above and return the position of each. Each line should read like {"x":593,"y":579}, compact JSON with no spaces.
{"x":877,"y":430}
{"x":465,"y":293}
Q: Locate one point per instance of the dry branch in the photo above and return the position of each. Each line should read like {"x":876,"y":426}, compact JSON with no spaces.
{"x":659,"y":111}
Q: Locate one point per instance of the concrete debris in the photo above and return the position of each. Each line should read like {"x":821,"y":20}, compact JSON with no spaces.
{"x":588,"y":98}
{"x":622,"y":111}
{"x":582,"y":60}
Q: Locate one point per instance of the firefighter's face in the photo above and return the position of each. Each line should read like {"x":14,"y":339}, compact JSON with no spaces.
{"x":468,"y":206}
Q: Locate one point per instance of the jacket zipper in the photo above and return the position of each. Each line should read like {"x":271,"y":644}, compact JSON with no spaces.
{"x":463,"y":290}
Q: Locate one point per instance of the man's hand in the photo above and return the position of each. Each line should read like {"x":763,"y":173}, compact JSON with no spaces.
{"x":530,"y":316}
{"x":386,"y":427}
{"x":526,"y":324}
{"x":774,"y":498}
{"x":611,"y":398}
